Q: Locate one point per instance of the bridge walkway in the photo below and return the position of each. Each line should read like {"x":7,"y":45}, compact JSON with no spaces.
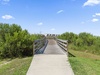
{"x":53,"y":48}
{"x":54,"y":61}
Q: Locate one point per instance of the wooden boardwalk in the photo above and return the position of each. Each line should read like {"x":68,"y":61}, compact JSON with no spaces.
{"x":54,"y":61}
{"x":53,"y":48}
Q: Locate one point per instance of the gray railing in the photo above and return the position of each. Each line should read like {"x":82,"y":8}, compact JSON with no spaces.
{"x":38,"y":44}
{"x":63,"y":44}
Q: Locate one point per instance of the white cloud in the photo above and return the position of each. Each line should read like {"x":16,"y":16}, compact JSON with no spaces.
{"x":95,"y":20}
{"x":39,"y":24}
{"x":60,"y":11}
{"x":4,"y":2}
{"x":91,"y":2}
{"x":7,"y":17}
{"x":52,"y":29}
{"x":96,"y":14}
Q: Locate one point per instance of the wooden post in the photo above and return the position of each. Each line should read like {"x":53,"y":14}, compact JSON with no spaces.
{"x":67,"y":47}
{"x":33,"y":47}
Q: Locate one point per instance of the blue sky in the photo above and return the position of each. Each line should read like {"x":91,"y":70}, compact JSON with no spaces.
{"x":52,"y":16}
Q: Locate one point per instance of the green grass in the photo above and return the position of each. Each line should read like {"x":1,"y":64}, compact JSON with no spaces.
{"x":18,"y":66}
{"x":84,"y":54}
{"x":85,"y":66}
{"x":85,"y":63}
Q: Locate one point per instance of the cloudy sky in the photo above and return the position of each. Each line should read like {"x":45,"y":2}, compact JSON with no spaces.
{"x":52,"y":16}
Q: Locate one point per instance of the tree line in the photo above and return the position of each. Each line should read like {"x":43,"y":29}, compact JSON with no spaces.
{"x":82,"y":42}
{"x":15,"y":42}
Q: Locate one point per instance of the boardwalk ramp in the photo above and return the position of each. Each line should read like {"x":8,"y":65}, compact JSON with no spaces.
{"x":54,"y":61}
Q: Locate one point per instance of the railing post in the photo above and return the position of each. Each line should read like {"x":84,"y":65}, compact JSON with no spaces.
{"x":67,"y":47}
{"x":33,"y":47}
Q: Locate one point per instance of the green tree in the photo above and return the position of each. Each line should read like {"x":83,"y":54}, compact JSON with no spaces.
{"x":15,"y":42}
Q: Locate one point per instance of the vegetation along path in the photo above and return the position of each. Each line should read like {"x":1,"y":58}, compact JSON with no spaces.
{"x":54,"y":61}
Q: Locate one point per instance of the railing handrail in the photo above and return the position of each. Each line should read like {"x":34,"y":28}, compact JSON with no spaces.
{"x":63,"y":44}
{"x":38,"y":44}
{"x":63,"y":41}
